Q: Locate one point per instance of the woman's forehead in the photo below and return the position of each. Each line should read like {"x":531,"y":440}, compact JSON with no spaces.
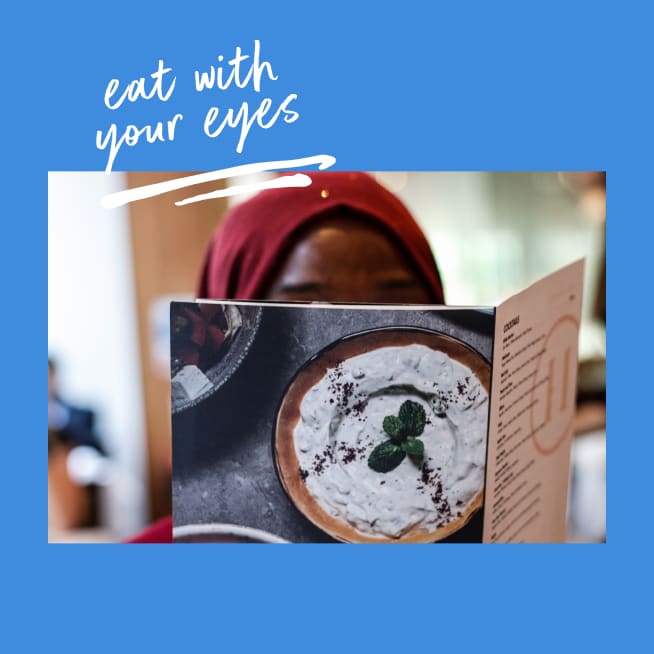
{"x":342,"y":249}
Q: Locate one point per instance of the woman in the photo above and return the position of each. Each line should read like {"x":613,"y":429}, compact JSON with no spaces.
{"x":344,"y":238}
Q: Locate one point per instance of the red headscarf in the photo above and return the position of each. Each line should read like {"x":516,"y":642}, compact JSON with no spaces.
{"x":246,"y":247}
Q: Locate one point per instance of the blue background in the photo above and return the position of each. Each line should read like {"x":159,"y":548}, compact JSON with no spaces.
{"x":418,"y":86}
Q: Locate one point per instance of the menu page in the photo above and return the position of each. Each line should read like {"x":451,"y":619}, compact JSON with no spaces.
{"x":534,"y":381}
{"x":324,"y":423}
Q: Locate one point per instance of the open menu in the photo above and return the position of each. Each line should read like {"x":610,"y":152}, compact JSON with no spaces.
{"x":375,"y":424}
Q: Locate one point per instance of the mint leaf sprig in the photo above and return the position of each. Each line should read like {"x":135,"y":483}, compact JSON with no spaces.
{"x":403,"y":431}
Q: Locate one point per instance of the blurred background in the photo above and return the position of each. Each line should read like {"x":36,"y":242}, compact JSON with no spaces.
{"x":112,"y":273}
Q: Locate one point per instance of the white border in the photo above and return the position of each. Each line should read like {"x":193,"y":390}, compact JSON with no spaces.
{"x":220,"y":529}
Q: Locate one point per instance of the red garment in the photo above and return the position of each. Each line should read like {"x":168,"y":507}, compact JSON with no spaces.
{"x":246,"y":247}
{"x":159,"y":532}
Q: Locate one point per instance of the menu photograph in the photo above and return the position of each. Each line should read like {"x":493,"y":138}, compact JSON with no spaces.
{"x":319,"y":423}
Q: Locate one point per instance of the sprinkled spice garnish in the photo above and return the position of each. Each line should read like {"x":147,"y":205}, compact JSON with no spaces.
{"x":426,"y":474}
{"x":350,"y":455}
{"x":359,"y":407}
{"x":319,"y":465}
{"x":328,"y":456}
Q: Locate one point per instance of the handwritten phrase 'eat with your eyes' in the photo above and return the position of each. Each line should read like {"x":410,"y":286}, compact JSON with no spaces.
{"x":241,"y":71}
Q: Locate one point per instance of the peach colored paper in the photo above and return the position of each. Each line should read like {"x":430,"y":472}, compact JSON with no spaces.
{"x":533,"y":391}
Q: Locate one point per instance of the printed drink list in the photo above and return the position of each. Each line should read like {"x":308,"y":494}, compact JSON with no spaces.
{"x":532,"y":409}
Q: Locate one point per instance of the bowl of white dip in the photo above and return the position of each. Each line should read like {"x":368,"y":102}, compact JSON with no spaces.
{"x":331,"y":418}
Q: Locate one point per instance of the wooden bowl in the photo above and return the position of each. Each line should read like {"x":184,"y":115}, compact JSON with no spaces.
{"x":288,"y":467}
